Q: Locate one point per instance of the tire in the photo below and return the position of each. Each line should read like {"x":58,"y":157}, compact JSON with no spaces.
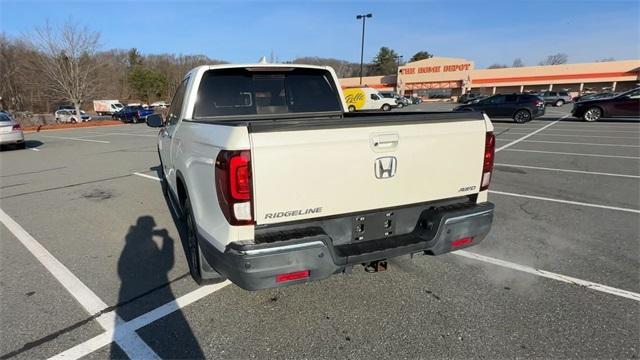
{"x":400,"y":105}
{"x":559,"y":103}
{"x":592,"y":114}
{"x":73,"y":121}
{"x":194,"y":256}
{"x":352,"y":108}
{"x":522,"y":116}
{"x":386,"y":107}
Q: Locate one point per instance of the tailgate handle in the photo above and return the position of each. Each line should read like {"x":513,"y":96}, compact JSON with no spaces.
{"x":385,"y":141}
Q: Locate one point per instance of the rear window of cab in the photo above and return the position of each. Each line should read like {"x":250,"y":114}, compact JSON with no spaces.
{"x":243,"y":91}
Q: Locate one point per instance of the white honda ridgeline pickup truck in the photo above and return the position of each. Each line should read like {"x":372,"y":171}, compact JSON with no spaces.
{"x":278,"y":184}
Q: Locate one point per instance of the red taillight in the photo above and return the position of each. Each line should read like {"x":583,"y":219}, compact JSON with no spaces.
{"x":233,"y":186}
{"x":292,"y":276}
{"x":464,"y":241}
{"x":487,"y":164}
{"x":16,"y":127}
{"x":240,"y":177}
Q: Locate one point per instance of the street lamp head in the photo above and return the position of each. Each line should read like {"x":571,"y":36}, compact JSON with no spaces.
{"x":369,"y":15}
{"x":363,"y":16}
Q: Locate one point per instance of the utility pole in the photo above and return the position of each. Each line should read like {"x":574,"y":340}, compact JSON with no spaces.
{"x":399,"y":59}
{"x":364,"y":20}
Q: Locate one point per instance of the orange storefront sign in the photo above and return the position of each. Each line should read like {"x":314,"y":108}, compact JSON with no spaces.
{"x":435,"y":69}
{"x":434,"y":85}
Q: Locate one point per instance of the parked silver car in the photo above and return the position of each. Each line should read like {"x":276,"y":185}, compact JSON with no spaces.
{"x":557,"y":98}
{"x":10,"y":131}
{"x":70,"y":116}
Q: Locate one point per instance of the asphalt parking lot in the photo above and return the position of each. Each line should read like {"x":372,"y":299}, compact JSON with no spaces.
{"x":92,"y":262}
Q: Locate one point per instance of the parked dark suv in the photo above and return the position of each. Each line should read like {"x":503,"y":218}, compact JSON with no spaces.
{"x":519,"y":107}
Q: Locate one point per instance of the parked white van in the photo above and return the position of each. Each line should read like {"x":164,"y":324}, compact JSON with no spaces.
{"x":366,"y":98}
{"x":104,"y":107}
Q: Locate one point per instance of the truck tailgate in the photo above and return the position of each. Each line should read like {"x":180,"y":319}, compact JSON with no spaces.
{"x":324,"y":171}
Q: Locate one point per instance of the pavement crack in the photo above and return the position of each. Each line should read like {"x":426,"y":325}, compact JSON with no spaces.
{"x":534,"y":215}
{"x":34,"y":172}
{"x":67,"y":186}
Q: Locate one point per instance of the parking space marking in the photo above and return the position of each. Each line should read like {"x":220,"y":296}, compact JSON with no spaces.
{"x":581,"y":130}
{"x":635,"y":211}
{"x":570,"y":171}
{"x":570,"y":143}
{"x":34,"y":149}
{"x":129,"y":328}
{"x":76,"y":139}
{"x":155,"y":135}
{"x":550,"y":275}
{"x":575,"y":154}
{"x":121,"y":134}
{"x":529,"y":135}
{"x":569,"y":135}
{"x":148,"y":176}
{"x":133,"y":346}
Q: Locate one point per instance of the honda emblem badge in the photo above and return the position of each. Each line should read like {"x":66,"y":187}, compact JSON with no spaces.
{"x":385,"y":167}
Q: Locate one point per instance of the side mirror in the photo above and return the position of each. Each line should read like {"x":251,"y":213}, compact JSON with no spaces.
{"x":155,"y":120}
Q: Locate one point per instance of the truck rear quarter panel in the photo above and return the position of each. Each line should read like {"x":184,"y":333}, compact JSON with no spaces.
{"x":198,"y":146}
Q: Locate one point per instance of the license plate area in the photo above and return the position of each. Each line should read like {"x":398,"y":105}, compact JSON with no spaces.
{"x":373,"y":226}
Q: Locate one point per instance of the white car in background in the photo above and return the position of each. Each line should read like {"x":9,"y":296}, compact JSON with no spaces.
{"x":10,"y":131}
{"x":70,"y":116}
{"x":159,"y":105}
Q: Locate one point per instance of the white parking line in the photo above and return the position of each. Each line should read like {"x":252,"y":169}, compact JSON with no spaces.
{"x":76,"y":139}
{"x":129,"y":328}
{"x":575,"y":154}
{"x":121,"y":134}
{"x":551,"y":275}
{"x":148,"y":176}
{"x":570,"y":171}
{"x":581,"y":130}
{"x":635,"y":211}
{"x":529,"y":135}
{"x":577,"y":136}
{"x":34,"y":149}
{"x":133,"y":345}
{"x":571,"y":143}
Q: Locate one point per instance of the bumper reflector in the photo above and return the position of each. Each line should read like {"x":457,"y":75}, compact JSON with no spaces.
{"x":292,"y":276}
{"x":460,"y":242}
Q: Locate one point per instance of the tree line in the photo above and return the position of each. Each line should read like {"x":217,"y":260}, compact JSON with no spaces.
{"x":64,"y":65}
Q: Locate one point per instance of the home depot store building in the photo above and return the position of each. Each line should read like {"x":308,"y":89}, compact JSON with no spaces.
{"x":448,"y":78}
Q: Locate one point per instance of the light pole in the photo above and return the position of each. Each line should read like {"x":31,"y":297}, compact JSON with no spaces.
{"x":364,"y":19}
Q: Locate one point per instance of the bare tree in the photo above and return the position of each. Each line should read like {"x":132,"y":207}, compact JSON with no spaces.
{"x":67,"y":60}
{"x":517,"y":62}
{"x":556,"y":59}
{"x":606,"y":59}
{"x":497,"y":66}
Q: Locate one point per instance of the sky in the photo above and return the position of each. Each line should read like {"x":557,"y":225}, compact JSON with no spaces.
{"x":486,"y":32}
